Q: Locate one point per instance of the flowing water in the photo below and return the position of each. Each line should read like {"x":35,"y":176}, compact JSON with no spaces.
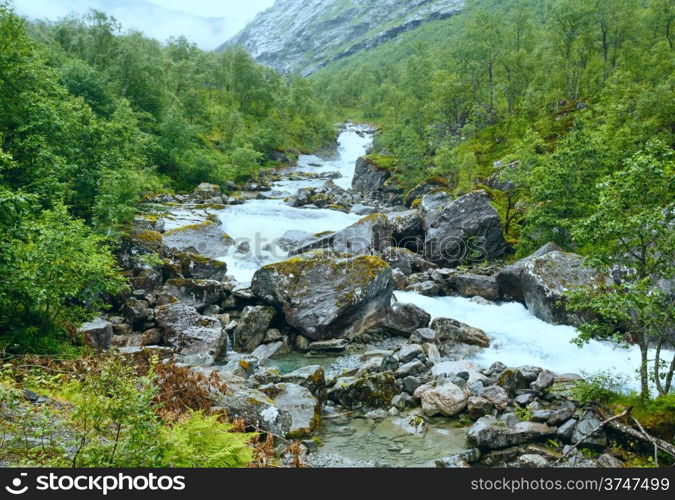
{"x":518,"y":338}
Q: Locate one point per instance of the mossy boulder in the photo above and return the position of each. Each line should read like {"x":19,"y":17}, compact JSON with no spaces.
{"x":303,"y":407}
{"x":370,"y":391}
{"x":510,"y":279}
{"x":546,"y":281}
{"x":325,"y":295}
{"x":207,"y":238}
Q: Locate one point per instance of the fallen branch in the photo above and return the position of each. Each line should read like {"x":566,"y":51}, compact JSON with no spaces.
{"x":598,"y":427}
{"x":643,"y":431}
{"x":644,"y":437}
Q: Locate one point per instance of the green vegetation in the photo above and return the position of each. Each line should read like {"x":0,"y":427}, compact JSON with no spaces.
{"x":91,"y":121}
{"x":105,"y":412}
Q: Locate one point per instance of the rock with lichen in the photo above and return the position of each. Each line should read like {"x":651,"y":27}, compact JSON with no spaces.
{"x":327,"y":296}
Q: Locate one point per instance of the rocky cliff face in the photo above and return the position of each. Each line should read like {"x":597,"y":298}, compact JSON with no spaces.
{"x":305,"y":35}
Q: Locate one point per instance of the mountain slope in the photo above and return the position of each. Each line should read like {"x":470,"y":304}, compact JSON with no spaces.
{"x":305,"y":35}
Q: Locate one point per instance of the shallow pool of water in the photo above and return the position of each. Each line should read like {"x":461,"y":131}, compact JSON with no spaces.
{"x":386,"y":442}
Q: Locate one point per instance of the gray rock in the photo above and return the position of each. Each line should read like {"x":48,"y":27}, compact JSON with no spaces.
{"x":402,"y":401}
{"x":410,"y":384}
{"x":509,"y":280}
{"x":197,"y":293}
{"x":255,"y":408}
{"x":135,"y":311}
{"x":414,"y":367}
{"x":423,"y":335}
{"x":368,"y":177}
{"x":566,"y":430}
{"x":303,"y":407}
{"x":207,"y":238}
{"x":312,"y":377}
{"x":409,"y":352}
{"x":492,"y":434}
{"x":512,"y":379}
{"x":474,"y":285}
{"x":427,"y":288}
{"x":544,"y":281}
{"x":562,"y":415}
{"x":478,"y":407}
{"x":541,"y":415}
{"x":200,"y":267}
{"x":327,"y":297}
{"x":432,"y":352}
{"x":252,"y":327}
{"x":545,"y":379}
{"x":532,"y":461}
{"x":583,"y":430}
{"x":266,"y":351}
{"x":523,"y":400}
{"x":448,"y":399}
{"x":328,"y":346}
{"x":97,"y":333}
{"x":467,"y":229}
{"x":497,"y":396}
{"x":190,"y":333}
{"x":405,"y":319}
{"x":436,"y":200}
{"x":405,"y":260}
{"x":450,"y":329}
{"x":371,"y":235}
{"x":609,"y":462}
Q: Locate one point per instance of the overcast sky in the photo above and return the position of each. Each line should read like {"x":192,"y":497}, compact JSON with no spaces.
{"x":163,"y":19}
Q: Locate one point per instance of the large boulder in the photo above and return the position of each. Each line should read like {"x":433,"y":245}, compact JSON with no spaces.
{"x":545,"y":280}
{"x":326,"y":296}
{"x":489,"y":433}
{"x":303,"y":407}
{"x":451,"y":329}
{"x":370,"y":235}
{"x":252,"y":327}
{"x":369,"y":176}
{"x":190,"y":333}
{"x":509,"y":279}
{"x":466,"y":230}
{"x":448,"y":399}
{"x":405,"y":319}
{"x":207,"y":238}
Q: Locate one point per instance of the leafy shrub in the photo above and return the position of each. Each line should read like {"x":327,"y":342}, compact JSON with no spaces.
{"x":598,"y":388}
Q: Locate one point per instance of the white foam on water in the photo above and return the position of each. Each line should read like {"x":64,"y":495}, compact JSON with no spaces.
{"x":518,"y":338}
{"x":261,"y":222}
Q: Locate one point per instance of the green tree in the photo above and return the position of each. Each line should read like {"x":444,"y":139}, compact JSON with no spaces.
{"x":630,"y":237}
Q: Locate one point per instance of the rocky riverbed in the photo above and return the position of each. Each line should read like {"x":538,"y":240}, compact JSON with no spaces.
{"x":379,"y":328}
